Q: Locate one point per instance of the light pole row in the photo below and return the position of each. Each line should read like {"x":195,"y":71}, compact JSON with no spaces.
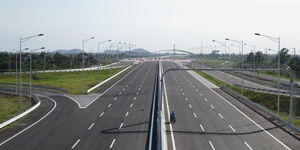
{"x":22,"y":40}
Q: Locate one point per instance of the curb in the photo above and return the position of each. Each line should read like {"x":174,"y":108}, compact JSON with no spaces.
{"x":99,"y":84}
{"x":20,"y":115}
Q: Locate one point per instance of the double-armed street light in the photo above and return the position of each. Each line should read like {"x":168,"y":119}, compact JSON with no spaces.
{"x":83,"y":42}
{"x":99,"y":43}
{"x":22,"y":40}
{"x":276,"y":40}
{"x":223,"y":44}
{"x":242,"y":46}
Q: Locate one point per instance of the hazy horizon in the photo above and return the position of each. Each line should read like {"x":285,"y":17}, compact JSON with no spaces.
{"x":152,"y":25}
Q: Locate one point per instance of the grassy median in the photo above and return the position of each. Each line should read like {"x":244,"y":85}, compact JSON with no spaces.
{"x":10,"y":106}
{"x":71,"y":81}
{"x":266,"y":100}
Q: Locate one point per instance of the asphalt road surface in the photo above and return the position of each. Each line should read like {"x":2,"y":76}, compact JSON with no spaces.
{"x":119,"y":119}
{"x":206,"y":120}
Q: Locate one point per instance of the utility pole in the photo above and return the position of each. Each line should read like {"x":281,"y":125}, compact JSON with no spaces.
{"x":173,"y":52}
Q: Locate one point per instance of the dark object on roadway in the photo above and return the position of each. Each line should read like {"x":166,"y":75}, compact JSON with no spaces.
{"x":172,"y":120}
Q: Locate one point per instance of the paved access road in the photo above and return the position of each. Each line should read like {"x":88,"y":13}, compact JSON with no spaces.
{"x":206,"y":120}
{"x":119,"y":119}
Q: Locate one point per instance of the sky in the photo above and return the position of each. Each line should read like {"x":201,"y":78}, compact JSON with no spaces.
{"x":150,"y":24}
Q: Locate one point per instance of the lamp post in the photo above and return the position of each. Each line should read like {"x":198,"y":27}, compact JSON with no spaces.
{"x":223,"y":44}
{"x":22,"y":40}
{"x":99,"y":43}
{"x":45,"y":59}
{"x":83,"y":41}
{"x":252,"y":46}
{"x":242,"y":45}
{"x":30,"y":70}
{"x":277,"y":40}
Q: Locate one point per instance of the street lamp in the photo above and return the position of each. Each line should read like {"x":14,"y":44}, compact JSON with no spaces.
{"x":30,"y":76}
{"x":223,"y":44}
{"x":277,"y":40}
{"x":83,"y":41}
{"x":252,"y":46}
{"x":242,"y":45}
{"x":22,"y":40}
{"x":99,"y":52}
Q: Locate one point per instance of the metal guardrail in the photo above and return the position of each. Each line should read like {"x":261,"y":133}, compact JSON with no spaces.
{"x":262,"y":82}
{"x":266,"y":90}
{"x":38,"y":87}
{"x":260,"y":109}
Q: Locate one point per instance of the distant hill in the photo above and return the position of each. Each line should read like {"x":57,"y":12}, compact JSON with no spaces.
{"x":69,"y":51}
{"x":140,"y":51}
{"x":113,"y":52}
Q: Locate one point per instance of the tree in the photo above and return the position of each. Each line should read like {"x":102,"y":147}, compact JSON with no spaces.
{"x":259,"y":58}
{"x":294,"y":63}
{"x":284,"y":56}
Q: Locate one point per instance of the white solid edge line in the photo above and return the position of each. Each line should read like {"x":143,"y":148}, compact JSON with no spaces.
{"x":75,"y":144}
{"x":168,"y":110}
{"x":110,"y":87}
{"x":247,"y":117}
{"x":112,"y":143}
{"x":90,"y":127}
{"x":248,"y":145}
{"x":99,"y":84}
{"x":211,"y":145}
{"x":33,"y":123}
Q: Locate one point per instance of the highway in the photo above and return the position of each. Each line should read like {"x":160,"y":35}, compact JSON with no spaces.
{"x":207,"y":120}
{"x":231,"y":79}
{"x":118,"y":119}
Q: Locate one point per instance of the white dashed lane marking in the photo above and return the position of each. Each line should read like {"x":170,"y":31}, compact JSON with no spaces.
{"x":75,"y":144}
{"x":101,"y":114}
{"x":121,"y":126}
{"x":232,"y":128}
{"x":220,"y":116}
{"x":127,"y":114}
{"x":195,"y":115}
{"x":90,"y":127}
{"x":108,"y":105}
{"x":112,"y":143}
{"x":202,"y":127}
{"x":212,"y":106}
{"x":211,"y":145}
{"x":248,"y":145}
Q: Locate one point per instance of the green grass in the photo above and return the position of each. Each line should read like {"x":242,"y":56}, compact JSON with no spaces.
{"x":71,"y":81}
{"x":10,"y":106}
{"x":266,"y":100}
{"x":212,"y":62}
{"x":283,"y":75}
